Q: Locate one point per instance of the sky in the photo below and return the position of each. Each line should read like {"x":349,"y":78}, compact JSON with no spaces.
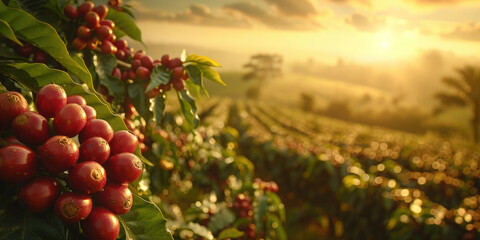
{"x":324,"y":30}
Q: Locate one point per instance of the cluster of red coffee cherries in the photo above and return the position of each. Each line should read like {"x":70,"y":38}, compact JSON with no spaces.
{"x":27,"y":50}
{"x":269,"y":186}
{"x":243,"y":205}
{"x":42,"y":161}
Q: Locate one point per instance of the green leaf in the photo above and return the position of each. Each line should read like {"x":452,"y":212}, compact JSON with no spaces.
{"x":221,"y":219}
{"x":36,"y":75}
{"x":7,"y":32}
{"x":44,"y":37}
{"x":16,"y":223}
{"x":189,"y":109}
{"x":278,"y":205}
{"x":230,"y":233}
{"x":202,"y":60}
{"x":198,"y":230}
{"x":159,"y":75}
{"x":260,"y":211}
{"x":211,"y":74}
{"x":159,"y":107}
{"x":136,"y":92}
{"x":104,"y":66}
{"x":125,"y":24}
{"x":144,"y":221}
{"x":279,"y":230}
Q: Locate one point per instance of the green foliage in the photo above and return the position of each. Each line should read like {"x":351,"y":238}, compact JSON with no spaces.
{"x":125,"y":25}
{"x":230,"y":233}
{"x":7,"y":32}
{"x":189,"y":109}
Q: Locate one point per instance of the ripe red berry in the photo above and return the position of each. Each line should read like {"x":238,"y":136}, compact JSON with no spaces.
{"x":104,"y":32}
{"x":147,"y":61}
{"x":12,"y":104}
{"x":121,"y":44}
{"x":115,"y":197}
{"x":73,"y":207}
{"x":87,"y":177}
{"x":116,"y":72}
{"x":31,"y":128}
{"x":101,"y":10}
{"x":128,"y":53}
{"x":136,"y":63}
{"x":13,"y":140}
{"x":165,"y":87}
{"x":96,"y":128}
{"x":58,"y":154}
{"x":39,"y":194}
{"x":93,"y":43}
{"x":142,"y":73}
{"x":78,"y":43}
{"x":131,"y":74}
{"x":76,"y":99}
{"x":90,"y":112}
{"x":165,"y":60}
{"x":50,"y":99}
{"x":71,"y":11}
{"x":138,"y":54}
{"x":120,"y":54}
{"x":108,"y":22}
{"x":123,"y":141}
{"x":86,"y":6}
{"x":17,"y":163}
{"x":101,"y":224}
{"x":124,"y":167}
{"x":177,"y":73}
{"x":40,"y":56}
{"x":70,"y":120}
{"x":107,"y":47}
{"x":92,"y":19}
{"x":175,"y":62}
{"x":152,"y":93}
{"x":94,"y":149}
{"x":178,"y":84}
{"x":84,"y":32}
{"x":26,"y":50}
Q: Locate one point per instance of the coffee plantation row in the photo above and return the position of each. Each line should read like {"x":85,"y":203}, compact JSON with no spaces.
{"x":364,"y":182}
{"x":134,"y":168}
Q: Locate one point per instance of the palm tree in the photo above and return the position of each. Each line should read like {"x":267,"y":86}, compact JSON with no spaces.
{"x":466,"y":93}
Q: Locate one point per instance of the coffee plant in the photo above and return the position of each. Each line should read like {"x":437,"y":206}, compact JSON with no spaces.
{"x":88,"y":148}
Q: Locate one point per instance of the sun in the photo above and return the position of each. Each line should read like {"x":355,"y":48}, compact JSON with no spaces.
{"x":384,"y":39}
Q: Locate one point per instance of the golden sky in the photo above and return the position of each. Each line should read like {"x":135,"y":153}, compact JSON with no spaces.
{"x":325,"y":30}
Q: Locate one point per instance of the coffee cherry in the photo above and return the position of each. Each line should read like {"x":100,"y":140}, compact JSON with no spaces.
{"x":78,"y":43}
{"x":26,"y":50}
{"x":13,"y":140}
{"x":93,"y":43}
{"x":101,"y":10}
{"x":123,"y":141}
{"x":17,"y":163}
{"x":39,"y":194}
{"x":73,"y":207}
{"x":31,"y":128}
{"x":138,"y":54}
{"x":136,"y":63}
{"x":115,"y":197}
{"x":120,"y":54}
{"x":165,"y":87}
{"x":178,"y":84}
{"x":94,"y":149}
{"x":104,"y":32}
{"x":147,"y":61}
{"x":70,"y":11}
{"x":101,"y":224}
{"x":107,"y":47}
{"x":70,"y":120}
{"x":90,"y":112}
{"x":50,"y":99}
{"x":86,"y":6}
{"x":58,"y":154}
{"x":107,"y":22}
{"x":76,"y":99}
{"x":131,"y":74}
{"x":142,"y":73}
{"x":96,"y":128}
{"x":175,"y":62}
{"x":165,"y":60}
{"x":116,"y":72}
{"x":84,"y":32}
{"x":124,"y":167}
{"x":40,"y":56}
{"x":92,"y":19}
{"x":177,"y":73}
{"x":12,"y":104}
{"x":87,"y":177}
{"x":121,"y":44}
{"x":152,"y":93}
{"x":128,"y":53}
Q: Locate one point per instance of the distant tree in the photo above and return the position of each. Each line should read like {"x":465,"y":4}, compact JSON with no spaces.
{"x":465,"y":92}
{"x":262,"y":67}
{"x":307,"y":102}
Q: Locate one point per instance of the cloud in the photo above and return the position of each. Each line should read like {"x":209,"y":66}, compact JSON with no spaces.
{"x":254,"y":13}
{"x":365,"y":23}
{"x":436,"y":2}
{"x":467,"y":32}
{"x":299,"y":8}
